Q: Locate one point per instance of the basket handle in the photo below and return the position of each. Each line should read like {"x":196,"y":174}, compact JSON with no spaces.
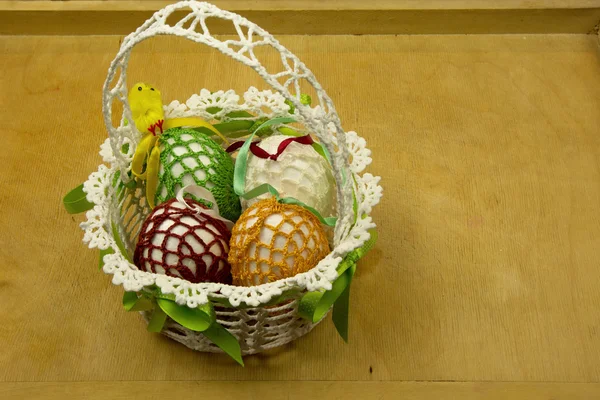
{"x":294,"y":71}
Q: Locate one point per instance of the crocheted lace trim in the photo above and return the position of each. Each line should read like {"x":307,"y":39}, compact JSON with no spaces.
{"x":125,"y":210}
{"x":101,"y":192}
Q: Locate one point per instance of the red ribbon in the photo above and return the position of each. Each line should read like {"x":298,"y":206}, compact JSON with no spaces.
{"x":261,"y":153}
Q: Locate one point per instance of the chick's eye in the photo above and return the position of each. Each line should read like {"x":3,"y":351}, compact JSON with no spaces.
{"x":140,"y":88}
{"x":152,"y":89}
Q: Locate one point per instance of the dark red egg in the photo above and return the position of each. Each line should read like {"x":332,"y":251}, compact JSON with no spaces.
{"x":181,"y":242}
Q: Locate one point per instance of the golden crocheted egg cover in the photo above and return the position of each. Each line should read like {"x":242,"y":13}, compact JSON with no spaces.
{"x":272,"y":241}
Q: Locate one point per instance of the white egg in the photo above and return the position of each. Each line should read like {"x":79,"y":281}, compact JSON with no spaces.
{"x":299,"y":172}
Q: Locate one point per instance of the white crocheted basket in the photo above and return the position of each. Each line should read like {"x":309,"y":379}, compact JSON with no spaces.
{"x":119,"y":207}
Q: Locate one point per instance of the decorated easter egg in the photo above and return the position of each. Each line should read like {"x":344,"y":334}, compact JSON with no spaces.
{"x":298,"y":171}
{"x":182,"y":242}
{"x":188,"y":157}
{"x":272,"y":241}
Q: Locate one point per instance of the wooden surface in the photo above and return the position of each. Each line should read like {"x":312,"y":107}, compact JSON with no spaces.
{"x":486,"y":270}
{"x":314,"y":17}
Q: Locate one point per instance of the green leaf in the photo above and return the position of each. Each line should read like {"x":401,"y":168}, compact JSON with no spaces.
{"x":157,"y":321}
{"x":239,"y":114}
{"x":287,"y":131}
{"x":204,"y":130}
{"x":225,"y":340}
{"x":101,"y":256}
{"x":75,"y":201}
{"x":341,"y":307}
{"x":119,"y":242}
{"x":131,"y":302}
{"x":234,"y":126}
{"x":197,"y":319}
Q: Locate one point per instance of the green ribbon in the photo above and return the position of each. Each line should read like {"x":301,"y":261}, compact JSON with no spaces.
{"x":201,"y":319}
{"x":133,"y":302}
{"x":197,"y":319}
{"x":314,"y":305}
{"x":225,"y":340}
{"x":341,"y":307}
{"x":157,"y":320}
{"x":319,"y":148}
{"x":75,"y":201}
{"x":239,"y":177}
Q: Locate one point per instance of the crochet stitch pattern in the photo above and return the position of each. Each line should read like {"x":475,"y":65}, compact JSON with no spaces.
{"x":272,"y":241}
{"x":183,"y":243}
{"x":298,"y":171}
{"x":189,"y":157}
{"x":118,"y":214}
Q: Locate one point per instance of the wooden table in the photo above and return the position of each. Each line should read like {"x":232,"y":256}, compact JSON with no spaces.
{"x":485,"y":281}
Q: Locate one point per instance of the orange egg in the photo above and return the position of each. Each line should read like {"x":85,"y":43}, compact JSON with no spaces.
{"x":273,"y":241}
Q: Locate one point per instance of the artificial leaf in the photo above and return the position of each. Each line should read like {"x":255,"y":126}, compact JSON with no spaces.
{"x":131,"y":302}
{"x":157,"y":320}
{"x":225,"y":340}
{"x":76,"y":202}
{"x":119,"y":242}
{"x":197,"y":319}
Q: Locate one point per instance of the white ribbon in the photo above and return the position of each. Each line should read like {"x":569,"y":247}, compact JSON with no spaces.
{"x":205,"y":194}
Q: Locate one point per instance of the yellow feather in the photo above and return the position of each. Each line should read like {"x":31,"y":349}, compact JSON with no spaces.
{"x":146,"y":106}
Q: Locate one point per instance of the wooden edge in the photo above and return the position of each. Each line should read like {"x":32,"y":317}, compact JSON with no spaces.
{"x":300,"y":390}
{"x":314,"y":17}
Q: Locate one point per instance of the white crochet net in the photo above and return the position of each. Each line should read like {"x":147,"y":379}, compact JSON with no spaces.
{"x":123,"y":209}
{"x":256,"y":329}
{"x":299,"y":172}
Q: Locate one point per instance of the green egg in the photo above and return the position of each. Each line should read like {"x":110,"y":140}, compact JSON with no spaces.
{"x":188,"y":157}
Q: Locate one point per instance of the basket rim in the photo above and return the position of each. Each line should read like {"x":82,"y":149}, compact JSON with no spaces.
{"x":99,"y":190}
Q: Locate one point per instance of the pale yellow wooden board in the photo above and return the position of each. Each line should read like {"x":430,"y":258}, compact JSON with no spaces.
{"x":314,"y":17}
{"x":272,"y":390}
{"x":487,"y":267}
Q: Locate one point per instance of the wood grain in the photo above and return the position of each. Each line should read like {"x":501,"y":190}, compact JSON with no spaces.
{"x":314,"y":17}
{"x":300,"y":390}
{"x":487,"y":267}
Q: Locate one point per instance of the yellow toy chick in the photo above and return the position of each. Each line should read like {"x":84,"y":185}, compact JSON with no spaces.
{"x":146,"y":107}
